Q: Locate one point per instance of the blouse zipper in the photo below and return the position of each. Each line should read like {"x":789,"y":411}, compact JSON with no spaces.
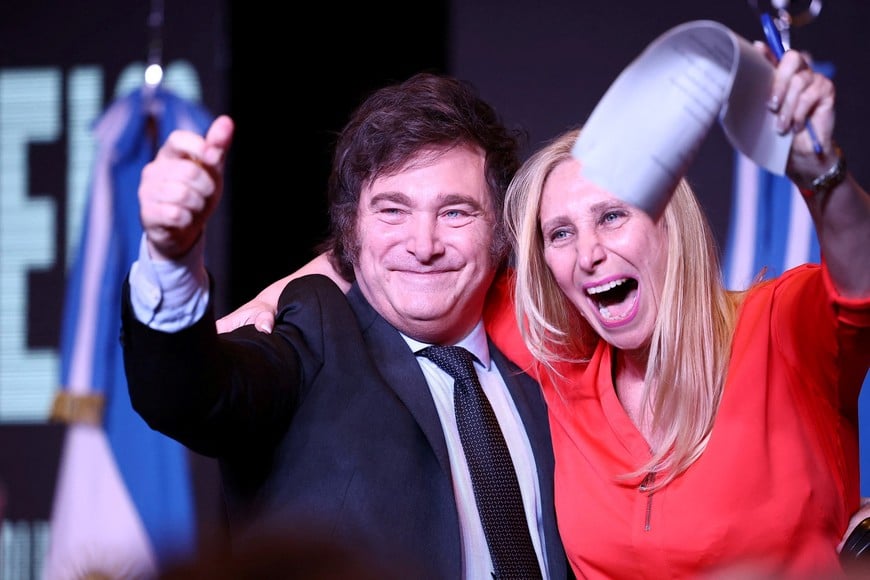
{"x":645,"y":486}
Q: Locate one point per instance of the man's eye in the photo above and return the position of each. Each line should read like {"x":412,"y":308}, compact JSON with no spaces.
{"x":391,"y":215}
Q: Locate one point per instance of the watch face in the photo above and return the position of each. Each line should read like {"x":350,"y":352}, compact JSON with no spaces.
{"x":858,"y":542}
{"x":832,"y":177}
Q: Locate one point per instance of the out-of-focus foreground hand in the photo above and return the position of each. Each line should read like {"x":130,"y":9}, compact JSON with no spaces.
{"x":258,"y":312}
{"x":859,"y":516}
{"x":182,"y":186}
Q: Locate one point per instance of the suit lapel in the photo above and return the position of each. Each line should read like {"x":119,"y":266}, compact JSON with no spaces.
{"x":532,"y":408}
{"x":401,"y":372}
{"x":528,"y":398}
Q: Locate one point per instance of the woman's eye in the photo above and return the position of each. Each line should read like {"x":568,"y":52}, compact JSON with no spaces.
{"x":557,"y":235}
{"x":612,"y":216}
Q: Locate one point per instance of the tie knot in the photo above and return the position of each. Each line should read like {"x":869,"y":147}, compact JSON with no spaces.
{"x":454,"y":360}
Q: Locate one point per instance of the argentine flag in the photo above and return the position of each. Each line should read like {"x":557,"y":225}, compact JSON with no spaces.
{"x":123,"y":502}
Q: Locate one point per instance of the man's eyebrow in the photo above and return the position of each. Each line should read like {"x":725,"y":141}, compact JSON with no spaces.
{"x":392,"y":196}
{"x":443,"y":199}
{"x":458,"y":198}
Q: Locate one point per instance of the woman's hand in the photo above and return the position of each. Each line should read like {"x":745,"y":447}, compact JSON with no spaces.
{"x":262,"y":309}
{"x":258,"y":312}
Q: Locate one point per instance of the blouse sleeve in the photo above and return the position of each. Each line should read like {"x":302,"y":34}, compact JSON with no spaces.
{"x":820,"y":332}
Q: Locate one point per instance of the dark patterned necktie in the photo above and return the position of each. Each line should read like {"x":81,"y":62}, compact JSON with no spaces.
{"x":493,"y":478}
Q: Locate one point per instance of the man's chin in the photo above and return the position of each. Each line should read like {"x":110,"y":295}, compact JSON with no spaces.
{"x":425,"y":284}
{"x":425,"y":316}
{"x":439,"y":330}
{"x":421,"y":314}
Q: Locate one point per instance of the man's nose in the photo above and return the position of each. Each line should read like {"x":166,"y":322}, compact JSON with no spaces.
{"x":424,"y":240}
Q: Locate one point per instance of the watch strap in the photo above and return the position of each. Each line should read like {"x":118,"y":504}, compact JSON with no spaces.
{"x":831,"y":178}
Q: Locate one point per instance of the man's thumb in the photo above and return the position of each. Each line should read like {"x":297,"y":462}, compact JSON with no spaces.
{"x":218,"y":140}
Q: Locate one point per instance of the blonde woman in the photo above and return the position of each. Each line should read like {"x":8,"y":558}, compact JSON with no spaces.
{"x":695,"y":429}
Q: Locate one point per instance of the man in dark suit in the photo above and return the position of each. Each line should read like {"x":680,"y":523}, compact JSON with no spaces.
{"x":331,"y":424}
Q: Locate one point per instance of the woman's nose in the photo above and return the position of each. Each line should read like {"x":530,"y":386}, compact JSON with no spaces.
{"x":590,"y":253}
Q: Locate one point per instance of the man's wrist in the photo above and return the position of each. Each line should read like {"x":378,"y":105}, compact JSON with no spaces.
{"x":169,"y":295}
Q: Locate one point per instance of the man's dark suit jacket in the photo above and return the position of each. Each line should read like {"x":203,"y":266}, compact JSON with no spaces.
{"x":326,"y":425}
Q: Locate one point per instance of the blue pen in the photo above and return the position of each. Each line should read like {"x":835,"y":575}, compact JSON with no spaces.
{"x":774,"y":40}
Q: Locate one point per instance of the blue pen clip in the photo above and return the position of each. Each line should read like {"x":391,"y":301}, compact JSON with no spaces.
{"x":771,"y":33}
{"x":774,"y":41}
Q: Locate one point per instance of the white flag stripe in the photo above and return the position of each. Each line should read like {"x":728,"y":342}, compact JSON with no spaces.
{"x":741,"y":258}
{"x":800,"y":233}
{"x":105,"y":536}
{"x":96,"y":247}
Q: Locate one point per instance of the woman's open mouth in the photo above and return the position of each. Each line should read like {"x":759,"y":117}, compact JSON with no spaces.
{"x":616,"y":300}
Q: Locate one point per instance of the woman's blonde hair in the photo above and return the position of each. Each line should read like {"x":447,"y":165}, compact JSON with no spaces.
{"x":690,"y":347}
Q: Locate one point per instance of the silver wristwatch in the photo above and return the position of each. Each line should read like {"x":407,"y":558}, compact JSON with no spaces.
{"x":831,"y":178}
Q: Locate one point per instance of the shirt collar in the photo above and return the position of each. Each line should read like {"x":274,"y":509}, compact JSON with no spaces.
{"x":475,"y":341}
